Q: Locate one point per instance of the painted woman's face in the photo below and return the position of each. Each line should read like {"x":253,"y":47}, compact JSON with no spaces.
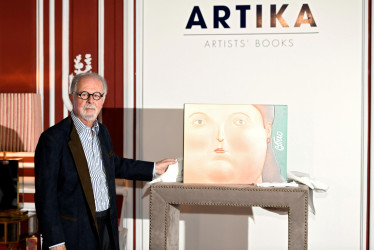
{"x":224,"y":144}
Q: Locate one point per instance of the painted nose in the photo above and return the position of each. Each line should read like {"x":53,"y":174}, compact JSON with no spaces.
{"x":220,"y":135}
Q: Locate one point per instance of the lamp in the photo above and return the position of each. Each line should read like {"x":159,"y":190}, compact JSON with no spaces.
{"x":20,"y":128}
{"x":20,"y":121}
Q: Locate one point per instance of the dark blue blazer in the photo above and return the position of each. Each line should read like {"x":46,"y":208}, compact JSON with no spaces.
{"x":64,"y":196}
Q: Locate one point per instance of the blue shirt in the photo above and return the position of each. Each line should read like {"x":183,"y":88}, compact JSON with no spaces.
{"x":91,"y":147}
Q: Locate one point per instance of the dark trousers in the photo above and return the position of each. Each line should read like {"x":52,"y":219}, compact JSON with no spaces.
{"x":105,"y":230}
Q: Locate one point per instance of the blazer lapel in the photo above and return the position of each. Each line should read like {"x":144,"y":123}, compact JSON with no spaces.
{"x":76,"y":148}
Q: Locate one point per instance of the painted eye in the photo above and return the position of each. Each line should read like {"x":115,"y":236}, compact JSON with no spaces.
{"x":240,"y":122}
{"x":198,"y":122}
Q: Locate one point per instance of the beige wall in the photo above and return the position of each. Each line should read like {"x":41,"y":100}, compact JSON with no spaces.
{"x":320,"y":77}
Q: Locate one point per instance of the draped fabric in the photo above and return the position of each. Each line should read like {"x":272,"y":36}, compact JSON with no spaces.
{"x":20,"y":121}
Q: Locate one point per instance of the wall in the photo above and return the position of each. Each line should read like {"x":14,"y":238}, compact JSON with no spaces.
{"x":17,"y":46}
{"x":67,"y":30}
{"x":319,"y":75}
{"x":42,"y":42}
{"x":317,"y":70}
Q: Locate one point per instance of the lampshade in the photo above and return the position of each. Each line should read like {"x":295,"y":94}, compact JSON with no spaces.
{"x":20,"y":121}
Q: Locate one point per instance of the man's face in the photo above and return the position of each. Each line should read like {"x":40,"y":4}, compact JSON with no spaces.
{"x":88,"y":110}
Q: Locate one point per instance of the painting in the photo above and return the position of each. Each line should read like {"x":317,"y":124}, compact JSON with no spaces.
{"x":235,"y":143}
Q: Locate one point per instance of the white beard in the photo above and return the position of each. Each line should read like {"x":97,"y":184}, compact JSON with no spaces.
{"x":89,"y":118}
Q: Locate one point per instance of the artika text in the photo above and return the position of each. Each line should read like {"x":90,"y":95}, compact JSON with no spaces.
{"x":222,"y":14}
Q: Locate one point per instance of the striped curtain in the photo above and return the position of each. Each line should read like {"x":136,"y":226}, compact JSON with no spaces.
{"x":20,"y":121}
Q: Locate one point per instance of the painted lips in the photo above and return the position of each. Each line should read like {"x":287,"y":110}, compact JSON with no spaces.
{"x":219,"y":150}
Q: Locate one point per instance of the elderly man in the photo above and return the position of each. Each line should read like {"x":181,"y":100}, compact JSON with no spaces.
{"x":75,"y":171}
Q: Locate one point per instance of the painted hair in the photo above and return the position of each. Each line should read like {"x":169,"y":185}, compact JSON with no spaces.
{"x":267,"y":112}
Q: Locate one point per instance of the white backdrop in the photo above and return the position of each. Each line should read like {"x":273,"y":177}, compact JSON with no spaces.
{"x":316,"y":71}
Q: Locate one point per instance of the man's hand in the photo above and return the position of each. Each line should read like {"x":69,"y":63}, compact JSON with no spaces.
{"x":162,"y":166}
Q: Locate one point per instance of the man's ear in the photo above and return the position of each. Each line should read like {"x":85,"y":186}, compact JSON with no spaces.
{"x":268,"y":128}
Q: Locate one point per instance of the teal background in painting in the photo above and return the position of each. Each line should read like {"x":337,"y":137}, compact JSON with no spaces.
{"x":279,"y":137}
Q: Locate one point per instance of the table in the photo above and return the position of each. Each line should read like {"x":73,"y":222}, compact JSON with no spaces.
{"x":165,"y":199}
{"x":18,"y":231}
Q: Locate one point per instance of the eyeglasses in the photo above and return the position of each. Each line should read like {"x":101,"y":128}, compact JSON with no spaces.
{"x":85,"y":95}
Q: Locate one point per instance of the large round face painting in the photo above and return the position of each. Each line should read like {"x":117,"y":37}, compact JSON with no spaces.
{"x":224,"y":144}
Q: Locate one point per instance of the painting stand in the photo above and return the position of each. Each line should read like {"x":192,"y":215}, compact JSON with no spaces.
{"x":165,"y":199}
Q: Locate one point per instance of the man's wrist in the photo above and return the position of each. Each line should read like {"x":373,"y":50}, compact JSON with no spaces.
{"x":59,"y":244}
{"x":155,"y":175}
